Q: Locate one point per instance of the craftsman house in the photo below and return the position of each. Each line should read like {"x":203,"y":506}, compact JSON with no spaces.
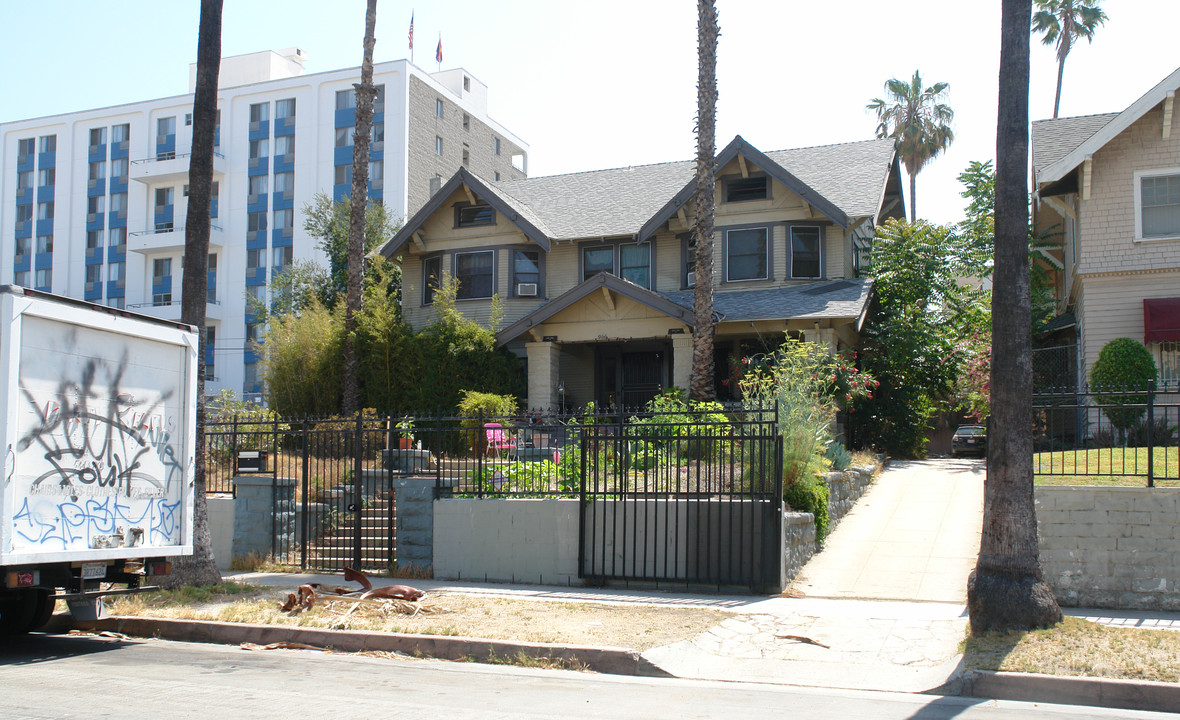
{"x":1109,"y":187}
{"x":594,"y":270}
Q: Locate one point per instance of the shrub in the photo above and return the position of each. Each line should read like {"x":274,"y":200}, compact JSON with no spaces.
{"x":301,"y":361}
{"x":1158,"y":434}
{"x":693,"y":431}
{"x":810,"y":494}
{"x":838,"y":455}
{"x":1123,"y":364}
{"x":254,"y":431}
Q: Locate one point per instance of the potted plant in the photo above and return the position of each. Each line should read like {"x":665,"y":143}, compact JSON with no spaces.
{"x":405,"y":431}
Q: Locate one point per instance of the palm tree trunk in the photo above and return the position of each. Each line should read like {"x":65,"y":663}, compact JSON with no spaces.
{"x":913,"y":197}
{"x":1057,"y":99}
{"x":365,"y":93}
{"x":1006,"y":589}
{"x":200,"y":568}
{"x":702,"y":387}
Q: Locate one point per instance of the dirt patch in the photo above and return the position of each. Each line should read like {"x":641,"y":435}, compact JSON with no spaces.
{"x":638,"y":627}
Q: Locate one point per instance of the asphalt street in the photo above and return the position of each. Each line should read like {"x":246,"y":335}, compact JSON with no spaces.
{"x":87,"y":677}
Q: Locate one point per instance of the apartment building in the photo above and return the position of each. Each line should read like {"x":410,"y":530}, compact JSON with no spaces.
{"x":93,"y":203}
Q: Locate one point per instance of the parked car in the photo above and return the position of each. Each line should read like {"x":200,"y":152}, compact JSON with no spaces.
{"x":969,"y":439}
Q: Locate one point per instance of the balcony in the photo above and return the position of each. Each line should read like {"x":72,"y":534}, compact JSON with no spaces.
{"x":171,"y":311}
{"x":173,"y":169}
{"x":167,"y":240}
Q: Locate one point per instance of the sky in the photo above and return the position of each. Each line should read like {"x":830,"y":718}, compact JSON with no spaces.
{"x":612,"y":83}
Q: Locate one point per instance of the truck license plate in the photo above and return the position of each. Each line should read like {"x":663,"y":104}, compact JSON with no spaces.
{"x":94,"y":571}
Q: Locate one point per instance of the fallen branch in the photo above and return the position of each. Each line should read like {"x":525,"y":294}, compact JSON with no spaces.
{"x":802,"y":639}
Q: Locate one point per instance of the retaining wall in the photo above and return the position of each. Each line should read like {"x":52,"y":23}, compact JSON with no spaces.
{"x":1111,"y":547}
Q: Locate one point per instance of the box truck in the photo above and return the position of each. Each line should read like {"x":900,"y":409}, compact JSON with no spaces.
{"x":97,"y":441}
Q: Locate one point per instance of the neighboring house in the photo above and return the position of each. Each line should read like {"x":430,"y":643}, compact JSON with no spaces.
{"x":93,"y":203}
{"x":1108,"y":186}
{"x":594,"y":270}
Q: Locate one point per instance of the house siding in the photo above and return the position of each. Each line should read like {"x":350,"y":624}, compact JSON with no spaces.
{"x":1112,"y":307}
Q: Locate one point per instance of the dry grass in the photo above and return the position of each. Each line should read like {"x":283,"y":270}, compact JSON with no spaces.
{"x":1080,"y":648}
{"x":631,"y":626}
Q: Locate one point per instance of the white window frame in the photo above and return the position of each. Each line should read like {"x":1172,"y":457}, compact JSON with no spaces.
{"x":1139,"y":176}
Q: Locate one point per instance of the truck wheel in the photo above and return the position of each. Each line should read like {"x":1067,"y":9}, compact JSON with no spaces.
{"x":44,"y":607}
{"x":16,"y":612}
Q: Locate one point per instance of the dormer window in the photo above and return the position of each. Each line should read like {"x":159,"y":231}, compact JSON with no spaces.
{"x":468,"y":215}
{"x":740,"y":189}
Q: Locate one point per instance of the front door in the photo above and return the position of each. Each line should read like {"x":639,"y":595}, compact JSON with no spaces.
{"x":629,"y":378}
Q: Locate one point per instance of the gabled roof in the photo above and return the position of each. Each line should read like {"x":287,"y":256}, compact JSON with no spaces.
{"x":1059,"y":168}
{"x":1052,"y":140}
{"x":738,"y":146}
{"x":843,"y":182}
{"x":827,"y":300}
{"x":626,"y":288}
{"x":517,"y":213}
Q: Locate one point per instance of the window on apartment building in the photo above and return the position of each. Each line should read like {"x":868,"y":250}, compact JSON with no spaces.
{"x":253,"y":332}
{"x":164,"y":197}
{"x":117,"y":237}
{"x":119,"y":303}
{"x":438,"y":107}
{"x":44,"y":244}
{"x":25,"y":148}
{"x":747,"y":254}
{"x":378,"y":133}
{"x":24,"y":213}
{"x":45,"y":211}
{"x":161,"y":268}
{"x":117,"y":272}
{"x":466,"y":121}
{"x":285,"y":108}
{"x":257,"y":187}
{"x":466,"y":157}
{"x":377,"y":174}
{"x":165,"y":126}
{"x":43,"y":279}
{"x":526,"y":271}
{"x":281,"y":258}
{"x":119,"y":203}
{"x":379,"y":101}
{"x":255,"y":298}
{"x":120,"y":133}
{"x":496,"y":145}
{"x":740,"y":189}
{"x":805,"y":252}
{"x":22,"y":246}
{"x":21,"y":278}
{"x":188,"y":119}
{"x":496,"y":176}
{"x":98,"y":136}
{"x":259,"y":112}
{"x":468,"y":215}
{"x":259,"y":148}
{"x":119,"y":168}
{"x":48,"y":143}
{"x":285,"y":221}
{"x":93,"y":274}
{"x":285,"y":146}
{"x":98,"y":170}
{"x":344,"y":174}
{"x":474,"y":272}
{"x":94,"y":239}
{"x":46,"y":177}
{"x":210,"y":341}
{"x":284,"y":182}
{"x":466,"y":83}
{"x":256,"y":221}
{"x":1158,"y":197}
{"x":344,"y":136}
{"x":24,"y":180}
{"x":438,"y":146}
{"x":254,"y":258}
{"x":345,"y":99}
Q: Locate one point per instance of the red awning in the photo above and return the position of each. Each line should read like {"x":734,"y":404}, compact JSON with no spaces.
{"x":1161,"y":320}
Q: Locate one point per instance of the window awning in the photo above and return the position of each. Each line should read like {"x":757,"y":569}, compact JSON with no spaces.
{"x":1161,"y":320}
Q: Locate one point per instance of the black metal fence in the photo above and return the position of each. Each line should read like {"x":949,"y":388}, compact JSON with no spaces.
{"x":1108,"y":434}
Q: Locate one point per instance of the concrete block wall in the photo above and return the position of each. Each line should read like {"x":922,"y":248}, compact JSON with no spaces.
{"x":221,"y":529}
{"x":534,"y":541}
{"x":414,"y":500}
{"x":1111,"y":547}
{"x":264,"y":508}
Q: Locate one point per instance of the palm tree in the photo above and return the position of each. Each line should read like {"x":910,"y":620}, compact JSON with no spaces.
{"x":365,"y":93}
{"x":702,"y":387}
{"x":201,"y":567}
{"x":919,"y":120}
{"x":1006,"y":589}
{"x":1063,"y":22}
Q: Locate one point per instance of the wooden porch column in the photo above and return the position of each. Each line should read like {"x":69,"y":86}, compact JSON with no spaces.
{"x":682,"y":361}
{"x":544,"y":374}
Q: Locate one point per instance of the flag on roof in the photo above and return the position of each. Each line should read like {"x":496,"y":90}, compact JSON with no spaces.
{"x":438,"y":52}
{"x":411,"y":35}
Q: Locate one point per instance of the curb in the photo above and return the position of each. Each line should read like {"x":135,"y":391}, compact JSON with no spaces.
{"x":1099,"y":692}
{"x":609,"y":660}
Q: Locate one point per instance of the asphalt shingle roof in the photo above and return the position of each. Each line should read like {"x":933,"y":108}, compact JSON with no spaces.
{"x":1052,"y":140}
{"x":616,"y":202}
{"x":821,"y":300}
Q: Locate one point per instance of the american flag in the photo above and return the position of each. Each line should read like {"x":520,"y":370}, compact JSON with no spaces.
{"x":411,"y":35}
{"x":438,"y":52}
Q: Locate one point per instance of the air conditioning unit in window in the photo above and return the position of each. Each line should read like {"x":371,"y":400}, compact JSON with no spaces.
{"x":691,"y":280}
{"x":526,"y":289}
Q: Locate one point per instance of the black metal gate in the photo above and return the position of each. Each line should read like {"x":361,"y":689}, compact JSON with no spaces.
{"x":686,"y":503}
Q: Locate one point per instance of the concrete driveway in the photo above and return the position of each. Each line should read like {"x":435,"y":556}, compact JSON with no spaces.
{"x":913,"y":536}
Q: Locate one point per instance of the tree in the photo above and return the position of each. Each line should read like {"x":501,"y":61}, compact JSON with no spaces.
{"x":702,"y":387}
{"x":1006,"y":589}
{"x":328,"y":222}
{"x":365,"y":93}
{"x":1123,"y":364}
{"x":201,"y":567}
{"x":1063,"y":22}
{"x":920,"y":122}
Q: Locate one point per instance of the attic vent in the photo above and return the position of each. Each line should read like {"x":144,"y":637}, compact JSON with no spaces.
{"x":829,"y":288}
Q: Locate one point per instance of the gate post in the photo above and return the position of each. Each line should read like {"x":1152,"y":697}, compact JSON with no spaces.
{"x":358,"y":487}
{"x":305,"y":509}
{"x":1151,"y":433}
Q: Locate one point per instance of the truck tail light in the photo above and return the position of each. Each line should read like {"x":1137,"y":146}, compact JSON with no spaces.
{"x":158,"y":567}
{"x":23,"y":578}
